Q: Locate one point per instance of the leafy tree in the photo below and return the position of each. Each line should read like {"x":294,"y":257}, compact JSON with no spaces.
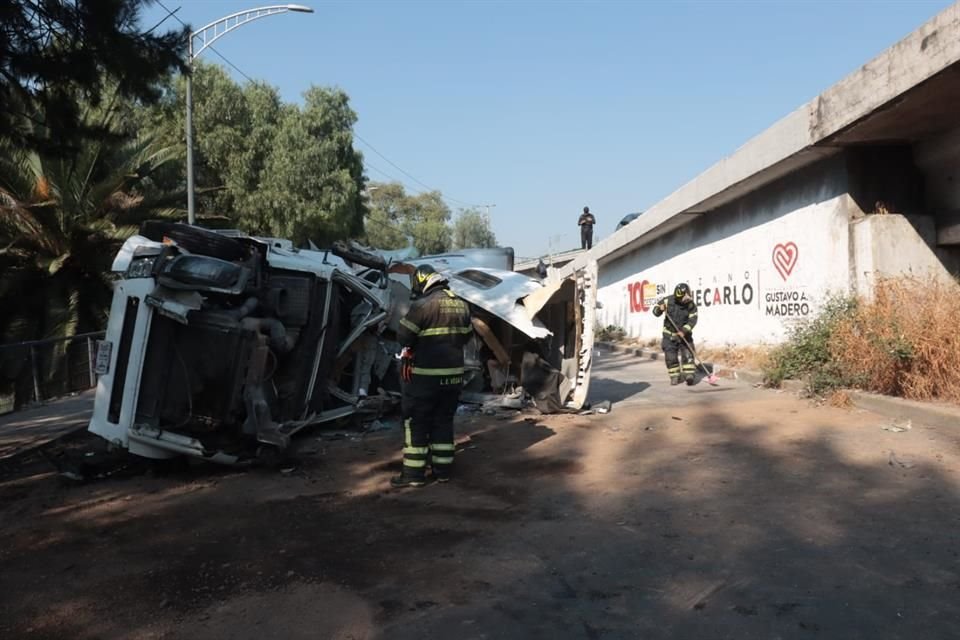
{"x":274,"y":169}
{"x":396,"y":217}
{"x":472,"y":229}
{"x":52,"y":51}
{"x":312,"y":181}
{"x":384,"y":226}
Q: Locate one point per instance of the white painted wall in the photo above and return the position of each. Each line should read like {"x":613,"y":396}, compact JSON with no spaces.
{"x":756,"y":268}
{"x":889,"y":246}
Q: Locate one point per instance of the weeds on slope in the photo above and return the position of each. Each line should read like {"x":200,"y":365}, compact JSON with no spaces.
{"x":904,"y":342}
{"x":807,"y":353}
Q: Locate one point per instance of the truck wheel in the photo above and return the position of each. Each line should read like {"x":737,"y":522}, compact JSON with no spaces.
{"x":195,"y":239}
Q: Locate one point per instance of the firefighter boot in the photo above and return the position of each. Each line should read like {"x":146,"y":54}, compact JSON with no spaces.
{"x":690,"y":379}
{"x":407,"y":479}
{"x":674,"y":380}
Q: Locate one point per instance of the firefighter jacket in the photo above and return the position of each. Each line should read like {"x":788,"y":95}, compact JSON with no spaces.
{"x":436,"y":328}
{"x":679,"y":315}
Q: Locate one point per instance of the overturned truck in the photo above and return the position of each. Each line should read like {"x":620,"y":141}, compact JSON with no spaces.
{"x":223,"y":346}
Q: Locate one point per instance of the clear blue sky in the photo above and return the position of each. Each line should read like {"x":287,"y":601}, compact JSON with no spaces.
{"x":544,"y":107}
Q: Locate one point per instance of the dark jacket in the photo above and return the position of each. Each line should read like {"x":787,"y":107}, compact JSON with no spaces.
{"x":679,"y":315}
{"x":436,"y":328}
{"x":587,"y":219}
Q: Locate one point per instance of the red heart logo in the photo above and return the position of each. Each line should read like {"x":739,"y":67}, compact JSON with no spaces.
{"x":785,"y":258}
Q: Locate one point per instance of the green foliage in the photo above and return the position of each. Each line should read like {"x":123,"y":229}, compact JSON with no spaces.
{"x":611,"y":333}
{"x":472,"y":229}
{"x":61,"y":222}
{"x":807,"y":352}
{"x":396,"y":219}
{"x":274,"y":169}
{"x":53,"y":51}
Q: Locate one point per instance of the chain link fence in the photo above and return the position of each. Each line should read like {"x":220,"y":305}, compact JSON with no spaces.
{"x":41,"y":370}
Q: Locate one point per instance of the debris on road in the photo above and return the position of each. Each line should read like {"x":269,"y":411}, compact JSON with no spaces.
{"x":904,"y":463}
{"x":898,"y":426}
{"x":600,"y":407}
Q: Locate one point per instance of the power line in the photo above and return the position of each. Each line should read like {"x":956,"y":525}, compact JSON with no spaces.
{"x":395,"y":166}
{"x":356,"y":135}
{"x":392,"y":178}
{"x":409,"y":189}
{"x":222,"y":57}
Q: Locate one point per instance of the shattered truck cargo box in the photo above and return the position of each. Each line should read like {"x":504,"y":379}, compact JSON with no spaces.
{"x":224,"y":347}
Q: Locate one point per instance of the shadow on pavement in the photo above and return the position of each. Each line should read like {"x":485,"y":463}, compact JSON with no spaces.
{"x":564,"y":527}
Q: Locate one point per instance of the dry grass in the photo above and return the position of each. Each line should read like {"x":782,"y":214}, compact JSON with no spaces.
{"x":905,"y":342}
{"x":754,"y":358}
{"x":840,"y":399}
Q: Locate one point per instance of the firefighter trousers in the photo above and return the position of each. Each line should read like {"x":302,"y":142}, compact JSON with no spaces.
{"x":429,"y":406}
{"x":678,"y":357}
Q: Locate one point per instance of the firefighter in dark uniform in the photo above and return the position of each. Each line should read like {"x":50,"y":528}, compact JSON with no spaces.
{"x":680,"y":317}
{"x":432,"y":335}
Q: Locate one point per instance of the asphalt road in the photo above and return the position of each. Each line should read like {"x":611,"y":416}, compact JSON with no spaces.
{"x":687,"y":513}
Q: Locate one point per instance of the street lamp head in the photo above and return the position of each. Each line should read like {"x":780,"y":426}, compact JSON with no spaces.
{"x":299,"y":7}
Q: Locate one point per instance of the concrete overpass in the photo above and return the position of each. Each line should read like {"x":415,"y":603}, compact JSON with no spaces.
{"x":791,"y":214}
{"x":528,"y":266}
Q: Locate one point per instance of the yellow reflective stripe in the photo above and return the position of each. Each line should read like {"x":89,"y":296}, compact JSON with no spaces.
{"x":693,"y":315}
{"x":407,"y":438}
{"x":668,"y":332}
{"x":416,"y":464}
{"x":442,"y":447}
{"x":409,"y":325}
{"x":445,"y":331}
{"x":423,"y":371}
{"x":437,"y":460}
{"x":421,"y":451}
{"x":687,"y":327}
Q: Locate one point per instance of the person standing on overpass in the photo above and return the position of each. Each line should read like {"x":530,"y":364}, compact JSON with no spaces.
{"x":586,"y":223}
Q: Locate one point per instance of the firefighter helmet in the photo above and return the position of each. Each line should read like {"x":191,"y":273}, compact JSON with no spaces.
{"x":681,"y":291}
{"x":424,"y":278}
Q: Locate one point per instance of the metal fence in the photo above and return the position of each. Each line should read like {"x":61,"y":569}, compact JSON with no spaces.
{"x":40,"y":370}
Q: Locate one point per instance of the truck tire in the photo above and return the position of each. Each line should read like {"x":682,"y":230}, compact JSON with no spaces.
{"x":195,"y":239}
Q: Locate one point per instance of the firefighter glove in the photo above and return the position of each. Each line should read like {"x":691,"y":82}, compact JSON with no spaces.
{"x":406,"y":364}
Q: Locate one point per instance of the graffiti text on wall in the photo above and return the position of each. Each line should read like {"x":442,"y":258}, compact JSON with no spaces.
{"x":787,"y":304}
{"x":731,"y":293}
{"x":643,"y":293}
{"x":710,"y":291}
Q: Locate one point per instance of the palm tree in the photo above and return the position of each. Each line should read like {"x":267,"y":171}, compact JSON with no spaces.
{"x":62,"y":220}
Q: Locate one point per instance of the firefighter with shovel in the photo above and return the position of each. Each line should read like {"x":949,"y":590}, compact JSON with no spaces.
{"x":680,"y":317}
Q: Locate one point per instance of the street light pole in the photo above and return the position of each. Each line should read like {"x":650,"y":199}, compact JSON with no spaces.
{"x":488,"y":206}
{"x":191,"y":216}
{"x":207,"y":36}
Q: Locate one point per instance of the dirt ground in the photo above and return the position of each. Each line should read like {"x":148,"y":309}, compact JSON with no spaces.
{"x":703,"y":512}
